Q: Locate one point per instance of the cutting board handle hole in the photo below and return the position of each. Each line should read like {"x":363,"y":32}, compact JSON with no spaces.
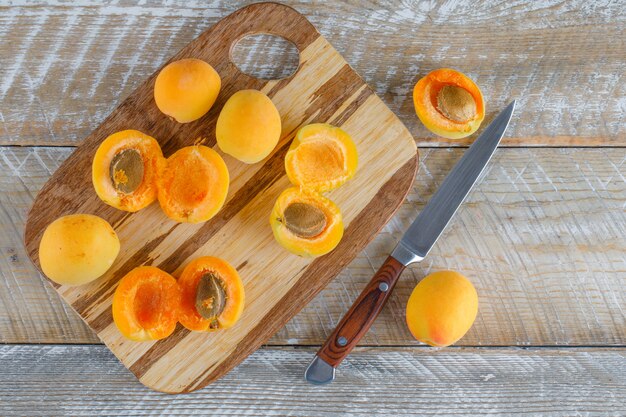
{"x":265,"y":56}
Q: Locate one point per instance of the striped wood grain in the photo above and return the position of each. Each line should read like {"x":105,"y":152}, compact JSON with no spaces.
{"x":542,"y":237}
{"x":66,"y":67}
{"x":277,"y":283}
{"x":83,"y":380}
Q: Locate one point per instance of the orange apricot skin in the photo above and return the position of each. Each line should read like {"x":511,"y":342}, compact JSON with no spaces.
{"x":442,"y":308}
{"x":248,"y":127}
{"x":313,"y":247}
{"x":318,"y":146}
{"x":152,"y":156}
{"x":425,"y":102}
{"x":146,"y":304}
{"x":188,"y":282}
{"x":193,"y":184}
{"x":186,"y":89}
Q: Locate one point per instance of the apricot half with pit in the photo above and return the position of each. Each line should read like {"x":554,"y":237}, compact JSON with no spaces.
{"x":186,"y":89}
{"x":146,"y":304}
{"x":193,"y":184}
{"x":449,"y":103}
{"x":124,"y":170}
{"x":306,"y":223}
{"x":248,"y":127}
{"x":77,"y":249}
{"x":442,"y":308}
{"x":321,"y":157}
{"x":212,"y":295}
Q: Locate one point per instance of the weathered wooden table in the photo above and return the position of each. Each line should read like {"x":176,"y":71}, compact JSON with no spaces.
{"x":543,"y":237}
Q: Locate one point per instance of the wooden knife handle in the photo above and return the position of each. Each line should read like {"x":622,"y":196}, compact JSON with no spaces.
{"x":362,"y":314}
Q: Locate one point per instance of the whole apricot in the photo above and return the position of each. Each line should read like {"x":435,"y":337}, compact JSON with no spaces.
{"x":186,"y":90}
{"x":77,"y":249}
{"x":248,"y":127}
{"x":442,"y":308}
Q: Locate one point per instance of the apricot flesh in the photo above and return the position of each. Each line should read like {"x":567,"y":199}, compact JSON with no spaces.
{"x":321,"y":157}
{"x":212,"y":295}
{"x":248,"y":127}
{"x":193,"y":184}
{"x":306,"y":223}
{"x":146,"y":304}
{"x":186,"y":89}
{"x":124,"y":170}
{"x":449,"y":103}
{"x":442,"y":308}
{"x":77,"y":249}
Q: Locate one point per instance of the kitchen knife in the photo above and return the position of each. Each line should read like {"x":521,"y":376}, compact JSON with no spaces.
{"x":413,"y":247}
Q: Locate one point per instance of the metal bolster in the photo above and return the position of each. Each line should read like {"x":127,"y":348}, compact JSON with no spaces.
{"x":405,"y":255}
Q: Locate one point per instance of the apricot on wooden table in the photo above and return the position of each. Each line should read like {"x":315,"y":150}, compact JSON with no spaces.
{"x":186,"y":89}
{"x":146,"y":304}
{"x":193,"y":184}
{"x":449,"y":103}
{"x":212,"y":295}
{"x":77,"y":249}
{"x":306,"y":223}
{"x":442,"y":308}
{"x":248,"y":127}
{"x":124,"y":170}
{"x":321,"y":157}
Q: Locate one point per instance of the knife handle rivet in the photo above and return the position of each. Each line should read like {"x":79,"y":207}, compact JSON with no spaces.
{"x":383,"y":286}
{"x":342,"y":341}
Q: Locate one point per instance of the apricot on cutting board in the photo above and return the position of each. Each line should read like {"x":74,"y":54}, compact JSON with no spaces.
{"x":248,"y":127}
{"x":193,"y":184}
{"x":124,"y":170}
{"x":146,"y":304}
{"x":186,"y":89}
{"x":449,"y":103}
{"x":306,"y":223}
{"x":321,"y":157}
{"x":442,"y":308}
{"x":212,"y":295}
{"x":77,"y":249}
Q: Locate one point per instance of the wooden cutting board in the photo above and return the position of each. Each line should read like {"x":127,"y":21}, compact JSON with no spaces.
{"x":277,"y":284}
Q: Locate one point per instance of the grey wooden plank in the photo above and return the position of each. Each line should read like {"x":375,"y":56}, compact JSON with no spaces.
{"x":88,"y":380}
{"x":543,"y":238}
{"x":66,"y":67}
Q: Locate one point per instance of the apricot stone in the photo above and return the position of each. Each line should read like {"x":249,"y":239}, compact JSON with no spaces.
{"x":442,"y":308}
{"x":186,"y":90}
{"x":77,"y":249}
{"x":248,"y":127}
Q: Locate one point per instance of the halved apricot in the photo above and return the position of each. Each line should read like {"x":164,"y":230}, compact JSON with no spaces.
{"x":125,"y":168}
{"x":193,"y":184}
{"x":306,"y":223}
{"x":212,"y":295}
{"x":321,"y":157}
{"x":146,"y":304}
{"x":187,"y":89}
{"x":449,"y":103}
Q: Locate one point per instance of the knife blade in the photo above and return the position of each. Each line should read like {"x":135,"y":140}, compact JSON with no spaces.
{"x":414,"y":245}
